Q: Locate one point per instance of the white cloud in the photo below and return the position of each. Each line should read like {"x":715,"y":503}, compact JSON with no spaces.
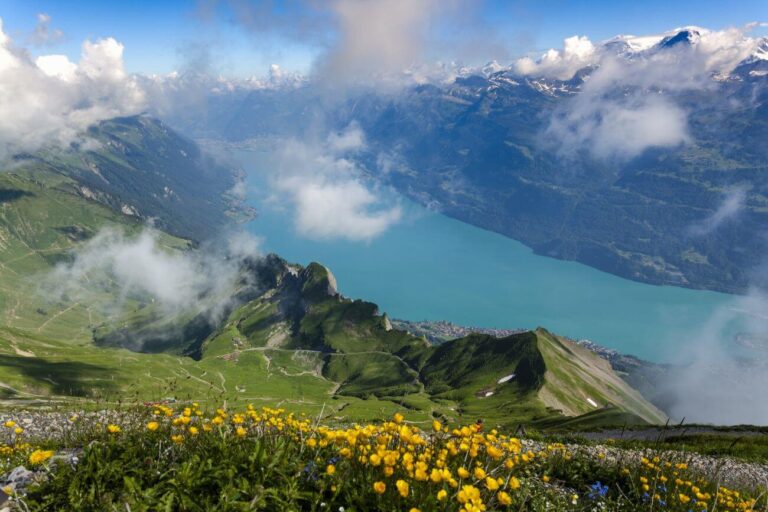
{"x":51,"y":100}
{"x":627,"y":104}
{"x":142,"y":267}
{"x":731,"y":206}
{"x":718,"y":377}
{"x":380,"y":43}
{"x":577,"y":53}
{"x":327,"y":190}
{"x":392,"y":43}
{"x":43,"y":33}
{"x":350,"y":139}
{"x":711,"y":51}
{"x":611,"y":129}
{"x":721,"y":51}
{"x":57,"y":66}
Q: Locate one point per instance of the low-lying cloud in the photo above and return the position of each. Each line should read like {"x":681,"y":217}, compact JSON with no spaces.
{"x":719,"y":379}
{"x":731,"y":206}
{"x":51,"y":100}
{"x":616,"y":129}
{"x":327,"y":190}
{"x":113,"y":267}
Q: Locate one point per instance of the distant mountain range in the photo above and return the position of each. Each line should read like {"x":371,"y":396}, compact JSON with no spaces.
{"x":684,"y":208}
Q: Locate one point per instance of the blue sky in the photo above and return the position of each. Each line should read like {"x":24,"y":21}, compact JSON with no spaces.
{"x":161,"y":36}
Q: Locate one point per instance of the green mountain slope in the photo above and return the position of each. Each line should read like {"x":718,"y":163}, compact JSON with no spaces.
{"x":141,"y":168}
{"x":528,"y":376}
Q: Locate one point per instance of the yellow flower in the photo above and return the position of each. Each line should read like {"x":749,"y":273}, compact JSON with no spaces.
{"x":193,"y":431}
{"x":491,"y":484}
{"x":504,"y":498}
{"x":494,"y":452}
{"x":398,"y":418}
{"x":152,"y":426}
{"x":414,"y":509}
{"x":40,"y":456}
{"x":479,"y":473}
{"x":684,"y":498}
{"x":463,"y":473}
{"x":442,"y":494}
{"x":468,"y":494}
{"x":330,"y":469}
{"x":545,"y":479}
{"x":178,"y":439}
{"x":10,"y":424}
{"x":19,"y":430}
{"x":436,"y":426}
{"x":113,"y":429}
{"x":379,"y":487}
{"x":241,"y":432}
{"x":514,"y":483}
{"x":402,"y":488}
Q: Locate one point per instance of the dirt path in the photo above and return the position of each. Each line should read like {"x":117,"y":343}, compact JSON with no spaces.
{"x":57,"y":315}
{"x":185,"y":373}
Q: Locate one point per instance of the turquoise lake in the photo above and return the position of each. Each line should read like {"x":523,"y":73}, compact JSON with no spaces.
{"x":431,"y":267}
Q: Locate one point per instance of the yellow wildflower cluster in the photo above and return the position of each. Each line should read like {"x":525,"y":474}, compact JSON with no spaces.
{"x":665,"y":482}
{"x":403,"y":466}
{"x":475,"y":469}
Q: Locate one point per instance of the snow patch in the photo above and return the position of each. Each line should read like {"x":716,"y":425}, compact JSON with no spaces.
{"x":506,"y":378}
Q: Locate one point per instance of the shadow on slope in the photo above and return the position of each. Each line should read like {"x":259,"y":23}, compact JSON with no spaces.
{"x":63,"y":377}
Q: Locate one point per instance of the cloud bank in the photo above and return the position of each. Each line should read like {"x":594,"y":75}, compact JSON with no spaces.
{"x":327,"y":191}
{"x":51,"y":100}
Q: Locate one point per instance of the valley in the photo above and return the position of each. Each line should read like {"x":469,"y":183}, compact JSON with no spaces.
{"x":432,"y":267}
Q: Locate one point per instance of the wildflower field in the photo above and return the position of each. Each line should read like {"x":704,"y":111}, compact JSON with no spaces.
{"x":269,"y":459}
